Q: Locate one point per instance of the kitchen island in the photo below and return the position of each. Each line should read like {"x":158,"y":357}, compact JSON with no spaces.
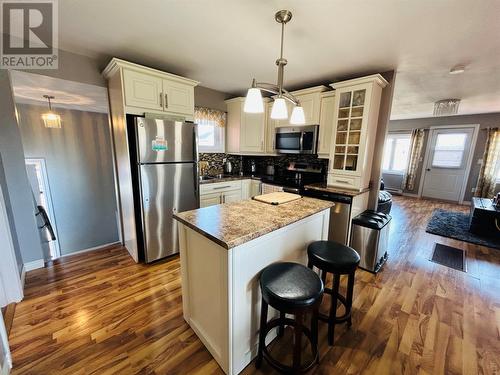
{"x":223,"y":248}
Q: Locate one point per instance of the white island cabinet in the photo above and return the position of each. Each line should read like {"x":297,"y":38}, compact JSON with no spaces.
{"x":223,"y":249}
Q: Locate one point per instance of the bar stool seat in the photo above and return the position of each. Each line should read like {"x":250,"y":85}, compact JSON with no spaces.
{"x":290,"y":288}
{"x":333,"y":257}
{"x":337,"y":259}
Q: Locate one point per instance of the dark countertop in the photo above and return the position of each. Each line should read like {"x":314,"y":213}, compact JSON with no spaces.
{"x":322,"y":186}
{"x":233,"y":224}
{"x":229,"y":178}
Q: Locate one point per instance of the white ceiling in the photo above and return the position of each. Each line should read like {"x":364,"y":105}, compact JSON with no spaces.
{"x":224,"y":43}
{"x":30,"y":88}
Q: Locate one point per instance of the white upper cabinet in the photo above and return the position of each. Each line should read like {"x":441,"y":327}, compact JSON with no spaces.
{"x":143,"y":90}
{"x":245,"y":132}
{"x":357,"y":104}
{"x":326,"y":123}
{"x":178,"y":97}
{"x":150,"y":90}
{"x":310,"y":100}
{"x":270,"y":130}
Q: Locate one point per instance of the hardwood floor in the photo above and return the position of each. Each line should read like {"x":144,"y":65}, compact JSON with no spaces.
{"x":100,"y":313}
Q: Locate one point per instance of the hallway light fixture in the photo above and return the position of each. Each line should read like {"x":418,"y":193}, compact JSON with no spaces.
{"x":279,"y":111}
{"x":50,"y":118}
{"x":446,"y":107}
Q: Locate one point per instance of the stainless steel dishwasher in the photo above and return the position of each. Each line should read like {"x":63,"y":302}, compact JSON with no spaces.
{"x":340,"y":214}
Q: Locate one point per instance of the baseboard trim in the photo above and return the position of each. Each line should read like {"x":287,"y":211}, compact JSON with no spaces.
{"x":23,"y":276}
{"x":411,"y":195}
{"x":100,"y":247}
{"x":34,"y":265}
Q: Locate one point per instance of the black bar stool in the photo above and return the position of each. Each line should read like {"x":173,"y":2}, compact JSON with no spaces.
{"x":337,"y":259}
{"x":290,"y":288}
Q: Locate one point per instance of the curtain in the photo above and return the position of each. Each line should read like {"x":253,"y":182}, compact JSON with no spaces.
{"x":417,"y":143}
{"x":207,"y":115}
{"x":491,"y":162}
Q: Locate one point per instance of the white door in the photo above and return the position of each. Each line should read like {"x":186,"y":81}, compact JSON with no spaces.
{"x":143,"y":90}
{"x":210,"y":199}
{"x":5,"y":358}
{"x":231,"y":196}
{"x":270,"y":129}
{"x":447,"y":161}
{"x":326,"y":124}
{"x":178,"y":97}
{"x":252,"y":132}
{"x":37,"y":176}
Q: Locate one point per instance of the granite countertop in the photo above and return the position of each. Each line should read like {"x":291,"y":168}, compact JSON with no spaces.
{"x":233,"y":224}
{"x":322,"y":186}
{"x":229,"y":178}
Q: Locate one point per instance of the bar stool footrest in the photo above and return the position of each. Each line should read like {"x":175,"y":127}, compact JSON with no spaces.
{"x":278,"y":365}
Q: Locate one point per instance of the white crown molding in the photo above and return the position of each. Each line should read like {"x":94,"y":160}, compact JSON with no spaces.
{"x":374,"y":78}
{"x":115,"y":64}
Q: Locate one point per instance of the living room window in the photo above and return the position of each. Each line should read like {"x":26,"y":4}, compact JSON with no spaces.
{"x":396,"y":153}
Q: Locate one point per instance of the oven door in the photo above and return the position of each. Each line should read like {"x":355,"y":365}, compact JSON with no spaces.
{"x":297,"y":140}
{"x":288,"y":142}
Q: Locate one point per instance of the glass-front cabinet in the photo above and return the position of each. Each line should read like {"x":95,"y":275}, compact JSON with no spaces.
{"x":357,"y":104}
{"x":348,"y":130}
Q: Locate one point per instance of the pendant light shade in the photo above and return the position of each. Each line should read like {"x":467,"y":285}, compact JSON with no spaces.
{"x":279,"y":110}
{"x":298,"y":117}
{"x":253,"y":101}
{"x":50,"y":118}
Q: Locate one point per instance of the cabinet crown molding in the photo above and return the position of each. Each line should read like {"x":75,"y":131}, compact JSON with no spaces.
{"x":374,"y":78}
{"x":242,"y":100}
{"x":115,"y":64}
{"x":310,"y":90}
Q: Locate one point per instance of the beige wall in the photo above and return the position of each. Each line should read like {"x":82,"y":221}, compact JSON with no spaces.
{"x":484,"y":120}
{"x":205,"y":97}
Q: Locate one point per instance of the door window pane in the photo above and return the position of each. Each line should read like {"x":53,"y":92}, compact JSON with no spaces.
{"x":449,"y":150}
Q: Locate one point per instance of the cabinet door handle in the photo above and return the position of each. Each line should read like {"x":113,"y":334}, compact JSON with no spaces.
{"x":161,"y":100}
{"x":344,"y":181}
{"x":166,"y":100}
{"x":223,"y":198}
{"x":221,"y":187}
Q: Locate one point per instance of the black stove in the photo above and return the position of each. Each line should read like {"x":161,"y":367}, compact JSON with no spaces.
{"x":295,"y":177}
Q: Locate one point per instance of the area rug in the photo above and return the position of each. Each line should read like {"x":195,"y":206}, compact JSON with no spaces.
{"x":456,"y":225}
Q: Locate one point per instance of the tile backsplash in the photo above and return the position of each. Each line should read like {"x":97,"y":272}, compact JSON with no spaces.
{"x":216,"y":162}
{"x":280,"y":162}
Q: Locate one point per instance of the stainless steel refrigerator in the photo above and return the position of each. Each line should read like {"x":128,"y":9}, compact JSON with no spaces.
{"x":166,"y":182}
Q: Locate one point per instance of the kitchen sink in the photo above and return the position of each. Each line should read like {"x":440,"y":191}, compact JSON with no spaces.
{"x":206,"y":178}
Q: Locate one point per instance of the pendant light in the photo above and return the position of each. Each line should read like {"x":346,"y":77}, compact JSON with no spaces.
{"x":279,"y":111}
{"x":50,"y":118}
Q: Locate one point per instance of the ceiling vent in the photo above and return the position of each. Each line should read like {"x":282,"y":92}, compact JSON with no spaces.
{"x":446,"y":107}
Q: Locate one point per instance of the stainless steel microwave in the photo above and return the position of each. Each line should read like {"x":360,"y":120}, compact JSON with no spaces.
{"x":297,"y":139}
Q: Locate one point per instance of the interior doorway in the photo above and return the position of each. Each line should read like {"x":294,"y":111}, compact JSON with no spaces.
{"x":447,"y":162}
{"x":37,"y":176}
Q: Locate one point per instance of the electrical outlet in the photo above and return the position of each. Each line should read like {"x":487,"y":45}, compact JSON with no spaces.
{"x":473,"y":190}
{"x":480,"y":161}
